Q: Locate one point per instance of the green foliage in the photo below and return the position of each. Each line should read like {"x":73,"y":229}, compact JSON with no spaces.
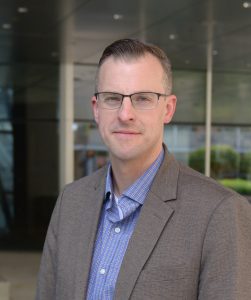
{"x":228,"y":164}
{"x":224,"y":161}
{"x":239,"y":185}
{"x":197,"y":160}
{"x":245,"y":165}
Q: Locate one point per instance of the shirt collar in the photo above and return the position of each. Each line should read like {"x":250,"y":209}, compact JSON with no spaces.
{"x":139,"y":189}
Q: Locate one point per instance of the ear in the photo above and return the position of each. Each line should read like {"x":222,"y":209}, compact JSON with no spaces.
{"x":95,"y":109}
{"x":170,"y":106}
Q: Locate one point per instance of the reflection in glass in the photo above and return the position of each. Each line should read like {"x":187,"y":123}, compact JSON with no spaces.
{"x":6,"y":161}
{"x":28,"y":154}
{"x":231,"y":163}
{"x":189,"y":86}
{"x":231,"y":98}
{"x":230,"y":157}
{"x":90,"y":153}
{"x":182,"y":140}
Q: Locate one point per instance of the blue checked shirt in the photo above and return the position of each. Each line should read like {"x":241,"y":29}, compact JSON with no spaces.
{"x":117,"y":222}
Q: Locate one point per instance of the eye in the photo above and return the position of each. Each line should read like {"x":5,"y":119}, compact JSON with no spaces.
{"x":142,"y":98}
{"x":111,"y":98}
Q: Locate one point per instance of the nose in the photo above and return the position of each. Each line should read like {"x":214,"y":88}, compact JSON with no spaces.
{"x":126,"y":111}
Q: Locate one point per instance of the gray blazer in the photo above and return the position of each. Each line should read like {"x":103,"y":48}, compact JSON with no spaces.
{"x":192,"y":241}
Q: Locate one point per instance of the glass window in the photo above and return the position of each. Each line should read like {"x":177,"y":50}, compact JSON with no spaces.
{"x":231,"y":98}
{"x":189,"y":86}
{"x":6,"y":162}
{"x":231,"y":157}
{"x":90,"y":153}
{"x":28,"y":155}
{"x":84,"y":88}
{"x":182,"y":140}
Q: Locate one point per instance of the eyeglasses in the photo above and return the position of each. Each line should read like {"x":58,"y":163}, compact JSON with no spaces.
{"x":140,"y":101}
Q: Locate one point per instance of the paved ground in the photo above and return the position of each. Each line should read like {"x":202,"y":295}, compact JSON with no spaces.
{"x":20,"y":269}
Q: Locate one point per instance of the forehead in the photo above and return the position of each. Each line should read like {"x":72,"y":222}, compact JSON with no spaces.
{"x":131,"y":74}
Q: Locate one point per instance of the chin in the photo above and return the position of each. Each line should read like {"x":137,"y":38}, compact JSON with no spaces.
{"x":125,"y":155}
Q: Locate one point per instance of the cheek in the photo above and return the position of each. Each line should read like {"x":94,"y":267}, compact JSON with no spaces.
{"x":105,"y":122}
{"x":157,"y":121}
{"x":154,"y":129}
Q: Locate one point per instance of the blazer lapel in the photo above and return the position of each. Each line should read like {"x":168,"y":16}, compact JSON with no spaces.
{"x":154,"y":215}
{"x":152,"y":219}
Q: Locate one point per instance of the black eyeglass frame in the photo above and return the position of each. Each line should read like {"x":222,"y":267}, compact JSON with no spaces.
{"x":130,"y":96}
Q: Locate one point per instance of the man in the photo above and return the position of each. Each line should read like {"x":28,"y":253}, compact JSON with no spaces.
{"x":145,"y":226}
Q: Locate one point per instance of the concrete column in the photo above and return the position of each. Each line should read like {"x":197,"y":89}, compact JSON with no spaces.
{"x":208,"y":109}
{"x":66,"y":116}
{"x":209,"y":87}
{"x":66,"y":97}
{"x":4,"y":289}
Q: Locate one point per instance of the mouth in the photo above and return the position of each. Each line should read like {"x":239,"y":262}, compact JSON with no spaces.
{"x":126,"y":133}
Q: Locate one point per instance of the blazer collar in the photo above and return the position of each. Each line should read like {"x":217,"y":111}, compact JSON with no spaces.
{"x":167,"y":177}
{"x":166,"y":180}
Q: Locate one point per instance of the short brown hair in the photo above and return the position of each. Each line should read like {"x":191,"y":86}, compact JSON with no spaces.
{"x":130,"y":48}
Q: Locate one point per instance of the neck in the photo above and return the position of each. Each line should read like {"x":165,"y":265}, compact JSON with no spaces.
{"x":125,"y":173}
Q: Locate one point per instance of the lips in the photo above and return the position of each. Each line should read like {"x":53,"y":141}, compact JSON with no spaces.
{"x":126,"y":132}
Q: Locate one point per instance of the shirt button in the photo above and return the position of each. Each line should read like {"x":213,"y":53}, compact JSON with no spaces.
{"x":102,"y":271}
{"x":117,"y":230}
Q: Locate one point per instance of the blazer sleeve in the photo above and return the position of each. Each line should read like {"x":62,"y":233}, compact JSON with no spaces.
{"x":226,"y":255}
{"x":46,"y":284}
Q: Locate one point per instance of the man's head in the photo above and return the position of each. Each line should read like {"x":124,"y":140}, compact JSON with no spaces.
{"x":132,"y":128}
{"x":129,"y":49}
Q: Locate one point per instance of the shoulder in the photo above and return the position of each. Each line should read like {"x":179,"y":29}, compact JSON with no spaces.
{"x":85,"y":185}
{"x":202,"y":200}
{"x":191,"y":189}
{"x":201,"y":190}
{"x":179,"y":182}
{"x":87,"y":181}
{"x":198,"y":183}
{"x":80,"y":194}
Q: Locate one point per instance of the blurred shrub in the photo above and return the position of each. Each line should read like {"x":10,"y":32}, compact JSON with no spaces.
{"x":226,"y":165}
{"x":224,"y":161}
{"x":241,"y":186}
{"x":245,"y":165}
{"x":197,"y":160}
